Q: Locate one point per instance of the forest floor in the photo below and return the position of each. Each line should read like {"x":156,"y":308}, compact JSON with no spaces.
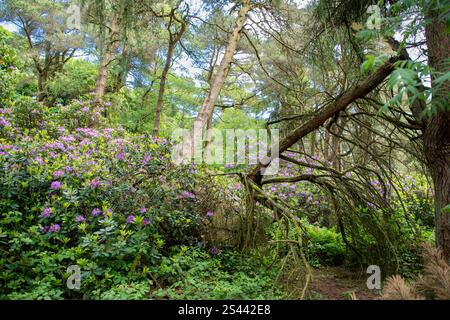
{"x":337,"y":283}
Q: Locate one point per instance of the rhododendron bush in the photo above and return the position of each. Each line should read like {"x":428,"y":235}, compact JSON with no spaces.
{"x":76,"y":192}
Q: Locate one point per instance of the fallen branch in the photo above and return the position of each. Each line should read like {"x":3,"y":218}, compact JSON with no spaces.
{"x":340,"y":104}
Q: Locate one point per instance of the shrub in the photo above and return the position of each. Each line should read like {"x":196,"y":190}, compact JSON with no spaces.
{"x":9,"y":69}
{"x":325,"y":246}
{"x":225,"y":275}
{"x":75,"y":192}
{"x":77,"y":78}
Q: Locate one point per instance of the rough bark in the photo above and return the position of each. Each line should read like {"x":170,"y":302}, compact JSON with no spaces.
{"x":106,"y":59}
{"x":162,"y":88}
{"x":336,"y":147}
{"x":42,"y":85}
{"x":436,"y":136}
{"x":173,"y":40}
{"x":436,"y":140}
{"x":225,"y":64}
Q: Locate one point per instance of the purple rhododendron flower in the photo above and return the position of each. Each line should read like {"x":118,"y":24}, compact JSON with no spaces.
{"x":187,"y":194}
{"x":80,"y":218}
{"x":95,"y":183}
{"x":4,"y":122}
{"x":54,"y":228}
{"x":40,"y":161}
{"x":58,"y":174}
{"x":46,"y":213}
{"x":120,"y":156}
{"x":147,"y":159}
{"x":210,"y":214}
{"x":131,"y":219}
{"x":96,"y":212}
{"x":146,"y":221}
{"x":56,"y":185}
{"x":143,"y":210}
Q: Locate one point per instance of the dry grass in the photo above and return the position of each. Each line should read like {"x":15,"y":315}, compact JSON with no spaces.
{"x":433,"y":283}
{"x":396,"y":288}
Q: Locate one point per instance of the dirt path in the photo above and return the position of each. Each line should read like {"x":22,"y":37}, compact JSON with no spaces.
{"x":336,"y":283}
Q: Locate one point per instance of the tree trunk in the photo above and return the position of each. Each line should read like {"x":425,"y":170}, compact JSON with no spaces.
{"x":436,"y":136}
{"x":124,"y":67}
{"x":437,"y":151}
{"x":42,"y":86}
{"x":211,"y":99}
{"x":43,"y":73}
{"x":162,"y":87}
{"x":336,"y":150}
{"x":326,"y":145}
{"x":313,"y":143}
{"x":338,"y":130}
{"x":173,"y":40}
{"x":106,"y":60}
